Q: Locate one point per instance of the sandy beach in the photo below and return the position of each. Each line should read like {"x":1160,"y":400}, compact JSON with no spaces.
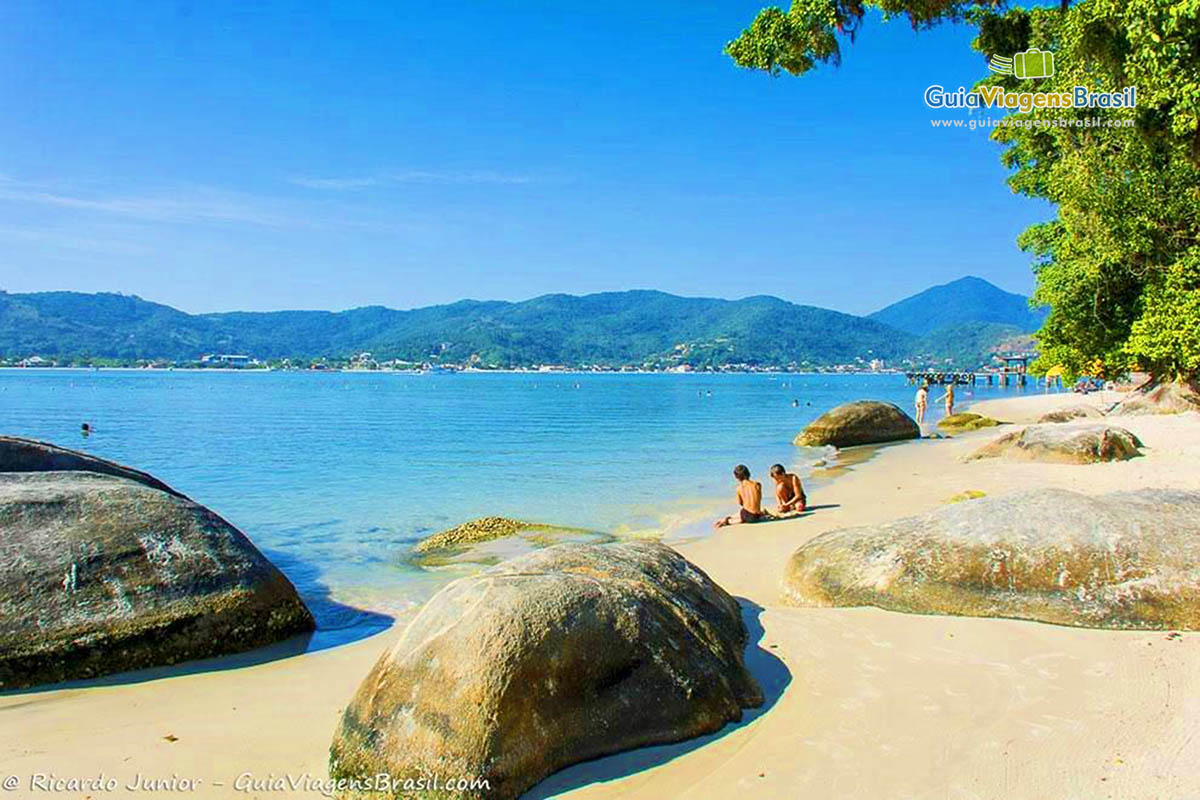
{"x":860,"y":702}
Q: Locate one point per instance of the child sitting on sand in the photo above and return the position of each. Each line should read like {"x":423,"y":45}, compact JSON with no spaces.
{"x":788,"y":491}
{"x":749,"y":498}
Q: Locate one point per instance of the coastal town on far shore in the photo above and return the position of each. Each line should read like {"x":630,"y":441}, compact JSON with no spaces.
{"x":1000,"y":364}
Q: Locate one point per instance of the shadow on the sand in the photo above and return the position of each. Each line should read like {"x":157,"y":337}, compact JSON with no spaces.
{"x":770,"y":672}
{"x":337,"y":624}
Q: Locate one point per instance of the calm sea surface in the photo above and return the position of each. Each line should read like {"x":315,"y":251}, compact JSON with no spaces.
{"x":335,"y":475}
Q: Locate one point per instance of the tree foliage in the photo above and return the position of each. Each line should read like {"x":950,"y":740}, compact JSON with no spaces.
{"x":1118,"y":264}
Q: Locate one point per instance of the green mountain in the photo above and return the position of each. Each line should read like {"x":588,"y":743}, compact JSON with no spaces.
{"x":967,"y":345}
{"x":614,"y":328}
{"x":966,"y":300}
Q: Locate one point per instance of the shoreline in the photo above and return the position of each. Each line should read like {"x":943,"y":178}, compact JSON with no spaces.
{"x":862,"y":702}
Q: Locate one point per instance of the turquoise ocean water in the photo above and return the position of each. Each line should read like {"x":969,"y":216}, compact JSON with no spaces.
{"x":335,"y":475}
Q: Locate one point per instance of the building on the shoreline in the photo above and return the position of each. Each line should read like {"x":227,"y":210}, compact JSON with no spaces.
{"x":227,"y":360}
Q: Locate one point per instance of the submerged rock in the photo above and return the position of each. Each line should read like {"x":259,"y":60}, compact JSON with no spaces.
{"x":1169,"y":397}
{"x":472,"y":532}
{"x":30,"y":455}
{"x":1062,"y":444}
{"x":1125,"y":560}
{"x":860,"y":422}
{"x":1071,"y":413}
{"x":966,"y":421}
{"x":102,"y":574}
{"x":556,"y":657}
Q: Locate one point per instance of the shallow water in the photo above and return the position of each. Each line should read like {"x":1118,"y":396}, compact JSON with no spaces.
{"x":336,"y":475}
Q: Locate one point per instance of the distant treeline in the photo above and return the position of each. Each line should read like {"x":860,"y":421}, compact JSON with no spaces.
{"x":610,"y":329}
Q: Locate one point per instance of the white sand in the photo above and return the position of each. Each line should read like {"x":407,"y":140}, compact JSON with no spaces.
{"x":862,"y":702}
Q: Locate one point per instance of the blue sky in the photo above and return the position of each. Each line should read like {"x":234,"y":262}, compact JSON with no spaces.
{"x":215,"y":156}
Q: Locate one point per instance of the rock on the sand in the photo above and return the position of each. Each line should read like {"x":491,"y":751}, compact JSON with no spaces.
{"x":29,"y":455}
{"x":1063,"y":444}
{"x":860,"y":422}
{"x":1168,"y":397}
{"x":555,"y":657}
{"x":101,"y":574}
{"x":1070,"y":414}
{"x":1125,"y":560}
{"x":966,"y":421}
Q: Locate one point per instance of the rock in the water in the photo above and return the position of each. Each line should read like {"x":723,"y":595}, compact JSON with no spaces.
{"x":860,"y":422}
{"x":1126,"y":560}
{"x":30,"y":455}
{"x":559,"y":656}
{"x":100,"y":574}
{"x":1063,"y":444}
{"x":1170,"y":397}
{"x":1070,"y":414}
{"x":966,"y":421}
{"x":472,"y":532}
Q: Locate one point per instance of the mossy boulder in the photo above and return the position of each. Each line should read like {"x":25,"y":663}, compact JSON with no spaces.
{"x":858,"y":423}
{"x":473,"y":532}
{"x":1125,"y":560}
{"x":559,"y":656}
{"x":1063,"y":444}
{"x":966,"y":421}
{"x":102,"y":574}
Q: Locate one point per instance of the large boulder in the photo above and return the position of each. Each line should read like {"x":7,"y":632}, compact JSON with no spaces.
{"x":1126,"y":560}
{"x":1167,"y":397}
{"x":860,"y":422}
{"x":558,"y":656}
{"x":1071,"y":414}
{"x":29,"y":455}
{"x":101,"y":574}
{"x":1063,"y":444}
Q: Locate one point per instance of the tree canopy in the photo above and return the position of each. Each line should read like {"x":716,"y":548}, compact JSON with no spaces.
{"x":1119,"y":265}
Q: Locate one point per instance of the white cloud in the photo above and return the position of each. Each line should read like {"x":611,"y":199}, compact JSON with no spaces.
{"x":474,"y":177}
{"x":186,"y":204}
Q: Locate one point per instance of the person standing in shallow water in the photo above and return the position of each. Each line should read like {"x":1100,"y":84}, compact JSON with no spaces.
{"x":949,"y":398}
{"x":749,"y":499}
{"x":922,"y":401}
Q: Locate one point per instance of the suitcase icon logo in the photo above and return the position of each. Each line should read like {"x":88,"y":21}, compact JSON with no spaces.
{"x":1030,"y":64}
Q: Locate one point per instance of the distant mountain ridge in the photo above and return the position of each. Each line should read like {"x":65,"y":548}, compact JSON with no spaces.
{"x":968,"y":299}
{"x":637,"y":327}
{"x":613,"y":328}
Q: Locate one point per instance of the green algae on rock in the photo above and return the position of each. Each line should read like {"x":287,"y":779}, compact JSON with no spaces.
{"x":472,"y":532}
{"x":966,"y":421}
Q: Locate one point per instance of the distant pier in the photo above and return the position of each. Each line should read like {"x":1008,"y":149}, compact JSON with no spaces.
{"x":1012,"y":373}
{"x":943,"y":378}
